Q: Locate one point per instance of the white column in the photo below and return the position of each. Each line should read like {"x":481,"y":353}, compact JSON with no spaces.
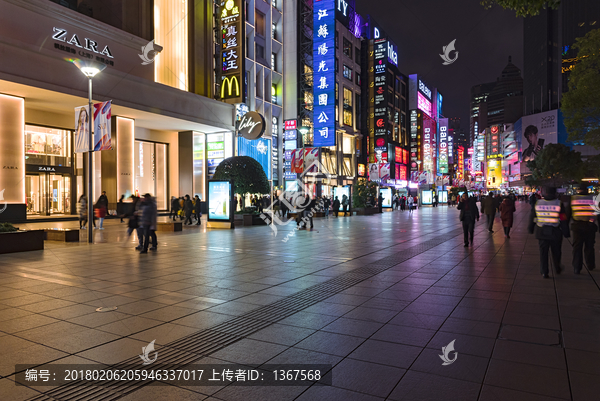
{"x":12,"y":149}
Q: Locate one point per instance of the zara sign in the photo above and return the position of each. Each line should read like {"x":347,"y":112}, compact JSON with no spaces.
{"x":61,"y":35}
{"x":251,"y":126}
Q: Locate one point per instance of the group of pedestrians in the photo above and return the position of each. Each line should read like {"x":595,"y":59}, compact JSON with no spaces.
{"x":100,"y":211}
{"x":185,"y":208}
{"x":143,"y":218}
{"x":403,"y":202}
{"x":549,"y":221}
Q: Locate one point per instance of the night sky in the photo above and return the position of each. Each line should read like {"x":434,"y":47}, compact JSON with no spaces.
{"x":484,"y":40}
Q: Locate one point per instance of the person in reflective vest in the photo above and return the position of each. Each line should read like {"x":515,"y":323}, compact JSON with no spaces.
{"x":545,"y":221}
{"x":584,"y":228}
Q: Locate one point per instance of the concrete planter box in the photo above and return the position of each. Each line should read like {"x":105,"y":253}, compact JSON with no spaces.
{"x":172,"y":226}
{"x":22,"y":241}
{"x":60,"y":234}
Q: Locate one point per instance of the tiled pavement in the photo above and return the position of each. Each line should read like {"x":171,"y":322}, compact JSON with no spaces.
{"x":388,"y":292}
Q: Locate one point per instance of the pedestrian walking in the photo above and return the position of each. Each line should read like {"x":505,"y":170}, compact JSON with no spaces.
{"x":188,"y":207}
{"x":545,"y":222}
{"x":468,"y":214}
{"x":379,"y":203}
{"x":121,"y":208}
{"x":326,"y":205}
{"x":532,"y":199}
{"x":584,"y":229}
{"x":197,"y":209}
{"x":410,"y":202}
{"x":403,"y":203}
{"x":488,"y":208}
{"x":345,"y":204}
{"x":102,"y":208}
{"x":83,"y":212}
{"x":507,"y":209}
{"x":149,"y":223}
{"x":134,"y":222}
{"x":174,"y":208}
{"x":336,"y":206}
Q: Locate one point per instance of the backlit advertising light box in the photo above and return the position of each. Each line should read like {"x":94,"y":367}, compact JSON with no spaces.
{"x":220,"y":195}
{"x":426,"y":197}
{"x":387,"y":197}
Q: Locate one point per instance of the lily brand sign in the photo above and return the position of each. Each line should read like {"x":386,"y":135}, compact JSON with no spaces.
{"x":251,"y":126}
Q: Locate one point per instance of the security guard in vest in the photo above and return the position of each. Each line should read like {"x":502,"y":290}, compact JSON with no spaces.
{"x":545,"y":220}
{"x":584,"y":229}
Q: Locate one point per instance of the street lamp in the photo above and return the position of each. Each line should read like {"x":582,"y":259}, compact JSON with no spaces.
{"x":90,"y":69}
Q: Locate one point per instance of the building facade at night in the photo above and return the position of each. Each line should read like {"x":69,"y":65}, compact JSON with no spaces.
{"x":159,"y":107}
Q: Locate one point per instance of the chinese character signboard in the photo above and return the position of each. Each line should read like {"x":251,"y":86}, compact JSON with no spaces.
{"x":324,"y":72}
{"x":232,"y":52}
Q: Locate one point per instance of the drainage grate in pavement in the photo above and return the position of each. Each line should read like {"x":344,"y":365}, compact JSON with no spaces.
{"x":205,"y":342}
{"x":532,"y":335}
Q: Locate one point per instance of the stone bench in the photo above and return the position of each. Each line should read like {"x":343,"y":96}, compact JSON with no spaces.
{"x":61,"y":234}
{"x":169,"y":226}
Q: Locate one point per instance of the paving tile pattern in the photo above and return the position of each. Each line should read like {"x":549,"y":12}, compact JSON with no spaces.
{"x":377,"y":297}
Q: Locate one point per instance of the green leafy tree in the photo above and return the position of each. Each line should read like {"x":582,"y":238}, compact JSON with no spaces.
{"x":555,"y":165}
{"x":361,"y":192}
{"x":246,"y":173}
{"x":581,"y":104}
{"x":523,"y":8}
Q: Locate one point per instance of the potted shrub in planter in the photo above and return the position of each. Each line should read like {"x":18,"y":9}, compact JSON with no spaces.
{"x":363,"y":194}
{"x":249,"y":178}
{"x":14,"y":240}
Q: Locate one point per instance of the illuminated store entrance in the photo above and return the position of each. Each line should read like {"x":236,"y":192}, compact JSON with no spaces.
{"x":48,"y":168}
{"x":48,"y":193}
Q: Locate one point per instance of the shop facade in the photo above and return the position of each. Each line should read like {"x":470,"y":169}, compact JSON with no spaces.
{"x":154,"y":125}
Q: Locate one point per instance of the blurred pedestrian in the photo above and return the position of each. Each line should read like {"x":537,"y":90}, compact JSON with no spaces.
{"x":545,"y":222}
{"x":336,"y":206}
{"x":121,"y":208}
{"x":102,"y":208}
{"x":488,"y":207}
{"x":197,"y":209}
{"x":188,"y":207}
{"x":174,"y":208}
{"x":468,"y":214}
{"x":149,"y":223}
{"x":134,"y":222}
{"x":410,"y":201}
{"x":507,"y":210}
{"x":345,"y":204}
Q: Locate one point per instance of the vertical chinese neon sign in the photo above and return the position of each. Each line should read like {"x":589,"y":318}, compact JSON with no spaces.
{"x":324,"y":72}
{"x":232,"y":53}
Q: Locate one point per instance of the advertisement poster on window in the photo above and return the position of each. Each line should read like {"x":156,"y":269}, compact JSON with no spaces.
{"x":387,"y":197}
{"x":220,"y":194}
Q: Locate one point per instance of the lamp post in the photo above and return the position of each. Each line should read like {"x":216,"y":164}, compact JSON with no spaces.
{"x":90,"y":69}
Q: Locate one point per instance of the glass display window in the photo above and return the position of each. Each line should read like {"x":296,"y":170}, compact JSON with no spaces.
{"x":47,"y":146}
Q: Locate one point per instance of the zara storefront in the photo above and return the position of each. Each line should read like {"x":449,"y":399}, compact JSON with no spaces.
{"x":155,"y":126}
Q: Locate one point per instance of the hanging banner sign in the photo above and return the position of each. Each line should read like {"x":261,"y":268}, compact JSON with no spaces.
{"x":102,"y":126}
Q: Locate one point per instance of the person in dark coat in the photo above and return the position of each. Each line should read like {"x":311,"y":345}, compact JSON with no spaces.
{"x":149,"y":223}
{"x":121,"y":207}
{"x":507,"y":209}
{"x":174,"y":208}
{"x":468,"y":214}
{"x":336,"y":206}
{"x":197,"y":210}
{"x":134,"y":215}
{"x":345,"y":204}
{"x":102,"y":208}
{"x":188,"y":207}
{"x":488,"y":207}
{"x":379,"y":203}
